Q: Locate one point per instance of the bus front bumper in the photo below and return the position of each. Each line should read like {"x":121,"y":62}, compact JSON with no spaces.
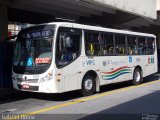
{"x":44,"y":87}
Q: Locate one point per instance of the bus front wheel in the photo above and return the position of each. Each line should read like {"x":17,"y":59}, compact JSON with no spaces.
{"x":137,"y":76}
{"x":88,"y":85}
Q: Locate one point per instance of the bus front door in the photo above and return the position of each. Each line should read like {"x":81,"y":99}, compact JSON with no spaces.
{"x":70,"y":76}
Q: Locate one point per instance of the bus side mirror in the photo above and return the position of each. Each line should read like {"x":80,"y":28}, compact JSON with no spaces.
{"x":11,"y":38}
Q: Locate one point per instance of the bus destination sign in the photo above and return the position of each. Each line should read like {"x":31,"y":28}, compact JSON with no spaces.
{"x":39,"y":34}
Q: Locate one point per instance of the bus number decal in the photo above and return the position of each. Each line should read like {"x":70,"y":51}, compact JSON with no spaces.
{"x":151,"y":60}
{"x":130,"y":59}
{"x":138,"y":59}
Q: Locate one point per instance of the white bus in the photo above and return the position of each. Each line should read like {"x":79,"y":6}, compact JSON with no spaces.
{"x":60,"y":57}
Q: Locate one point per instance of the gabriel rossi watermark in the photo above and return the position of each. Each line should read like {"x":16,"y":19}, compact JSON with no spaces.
{"x":17,"y":117}
{"x":149,"y":117}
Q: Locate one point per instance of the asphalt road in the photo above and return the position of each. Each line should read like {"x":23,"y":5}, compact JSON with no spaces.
{"x":116,"y":101}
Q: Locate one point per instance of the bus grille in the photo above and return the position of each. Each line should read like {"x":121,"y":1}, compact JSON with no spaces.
{"x":28,"y":80}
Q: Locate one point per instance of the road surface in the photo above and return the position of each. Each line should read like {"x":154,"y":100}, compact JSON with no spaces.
{"x":116,"y":101}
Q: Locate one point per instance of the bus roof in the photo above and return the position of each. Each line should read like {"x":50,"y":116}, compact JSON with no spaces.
{"x":98,"y":28}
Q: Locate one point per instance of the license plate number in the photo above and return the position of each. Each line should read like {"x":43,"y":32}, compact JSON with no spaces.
{"x":26,"y":86}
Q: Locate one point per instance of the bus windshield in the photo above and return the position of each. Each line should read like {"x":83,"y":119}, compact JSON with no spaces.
{"x":33,"y":50}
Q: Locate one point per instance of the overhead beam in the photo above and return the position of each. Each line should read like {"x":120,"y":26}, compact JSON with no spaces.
{"x":44,"y":7}
{"x":16,"y":15}
{"x":70,"y":6}
{"x":145,"y":8}
{"x":92,"y":6}
{"x":152,"y":29}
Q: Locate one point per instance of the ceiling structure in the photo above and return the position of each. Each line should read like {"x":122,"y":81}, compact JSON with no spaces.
{"x":80,"y":11}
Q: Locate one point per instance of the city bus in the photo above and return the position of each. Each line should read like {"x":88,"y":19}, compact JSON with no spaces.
{"x":60,"y":56}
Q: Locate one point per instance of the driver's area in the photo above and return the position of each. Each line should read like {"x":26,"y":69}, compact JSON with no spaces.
{"x":68,"y":46}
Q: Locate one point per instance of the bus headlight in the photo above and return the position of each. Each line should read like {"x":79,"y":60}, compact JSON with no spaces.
{"x":48,"y":77}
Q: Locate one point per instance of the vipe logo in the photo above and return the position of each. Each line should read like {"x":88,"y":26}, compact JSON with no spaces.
{"x":149,"y":117}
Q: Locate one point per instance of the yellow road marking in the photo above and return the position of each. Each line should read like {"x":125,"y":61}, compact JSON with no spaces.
{"x":53,"y":107}
{"x":92,"y":97}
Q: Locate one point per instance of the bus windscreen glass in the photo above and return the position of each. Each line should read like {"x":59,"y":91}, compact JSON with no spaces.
{"x":33,"y":50}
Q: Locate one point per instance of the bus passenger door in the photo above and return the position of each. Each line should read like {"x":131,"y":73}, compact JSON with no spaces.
{"x":68,"y":49}
{"x":70,"y":75}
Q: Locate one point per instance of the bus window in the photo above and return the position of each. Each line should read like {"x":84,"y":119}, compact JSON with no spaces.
{"x":142,"y":46}
{"x":151,"y":46}
{"x":132,"y":45}
{"x":120,"y":48}
{"x":67,"y":46}
{"x":108,"y":45}
{"x":92,"y":43}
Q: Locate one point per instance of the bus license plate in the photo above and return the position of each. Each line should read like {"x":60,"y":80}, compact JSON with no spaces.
{"x":26,"y":86}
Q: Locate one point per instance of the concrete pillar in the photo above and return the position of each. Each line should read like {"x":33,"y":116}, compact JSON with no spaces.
{"x":3,"y":22}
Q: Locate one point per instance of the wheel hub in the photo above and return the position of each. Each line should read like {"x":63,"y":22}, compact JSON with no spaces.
{"x":137,"y":76}
{"x":88,"y":84}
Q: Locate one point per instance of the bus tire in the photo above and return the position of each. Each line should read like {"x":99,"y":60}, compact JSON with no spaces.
{"x":88,"y":85}
{"x":137,"y":76}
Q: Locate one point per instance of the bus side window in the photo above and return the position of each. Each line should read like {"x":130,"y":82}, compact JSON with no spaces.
{"x":120,"y":45}
{"x":151,"y":45}
{"x":90,"y":49}
{"x":142,"y":46}
{"x":92,"y":43}
{"x":132,"y":45}
{"x":130,"y":51}
{"x":67,"y":46}
{"x":108,"y":44}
